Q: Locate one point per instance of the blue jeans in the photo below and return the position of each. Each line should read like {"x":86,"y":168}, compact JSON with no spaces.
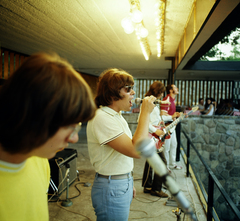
{"x":111,"y":199}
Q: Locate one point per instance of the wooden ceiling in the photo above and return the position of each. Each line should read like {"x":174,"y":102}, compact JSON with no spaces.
{"x":88,"y":33}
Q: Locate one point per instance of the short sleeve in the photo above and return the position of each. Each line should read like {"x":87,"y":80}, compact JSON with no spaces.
{"x":106,"y":129}
{"x":165,"y":107}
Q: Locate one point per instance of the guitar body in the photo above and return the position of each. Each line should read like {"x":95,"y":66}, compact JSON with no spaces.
{"x":158,"y":141}
{"x":168,"y":129}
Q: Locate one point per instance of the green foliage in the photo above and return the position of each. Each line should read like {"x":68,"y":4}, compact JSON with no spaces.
{"x":233,"y":40}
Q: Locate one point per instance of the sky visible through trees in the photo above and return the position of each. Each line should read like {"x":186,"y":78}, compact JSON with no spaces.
{"x":228,"y":49}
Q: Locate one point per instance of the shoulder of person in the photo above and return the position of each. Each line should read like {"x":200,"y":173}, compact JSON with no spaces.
{"x":165,"y":98}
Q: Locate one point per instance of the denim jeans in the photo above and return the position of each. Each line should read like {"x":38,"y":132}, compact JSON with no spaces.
{"x":111,"y":199}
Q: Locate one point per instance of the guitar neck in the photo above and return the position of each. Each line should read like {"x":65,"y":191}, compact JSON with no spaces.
{"x":174,"y":123}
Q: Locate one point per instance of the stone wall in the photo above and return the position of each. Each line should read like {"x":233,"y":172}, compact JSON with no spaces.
{"x":218,"y":141}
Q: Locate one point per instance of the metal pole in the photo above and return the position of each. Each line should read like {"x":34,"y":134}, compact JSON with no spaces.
{"x":67,"y":202}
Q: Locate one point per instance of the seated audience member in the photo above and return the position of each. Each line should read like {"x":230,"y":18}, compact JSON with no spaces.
{"x":42,"y":104}
{"x":221,"y":107}
{"x":201,"y":105}
{"x":214,"y":104}
{"x":209,"y":107}
{"x":111,"y":145}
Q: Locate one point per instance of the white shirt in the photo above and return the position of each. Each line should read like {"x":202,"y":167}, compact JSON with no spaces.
{"x":211,"y":111}
{"x":106,"y":126}
{"x":155,"y":118}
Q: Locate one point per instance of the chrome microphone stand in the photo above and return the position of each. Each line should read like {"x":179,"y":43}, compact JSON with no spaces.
{"x":67,"y":202}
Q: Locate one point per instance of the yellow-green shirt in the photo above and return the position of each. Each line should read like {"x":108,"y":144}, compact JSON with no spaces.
{"x":24,"y":189}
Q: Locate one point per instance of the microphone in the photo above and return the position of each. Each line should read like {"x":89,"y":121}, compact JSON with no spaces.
{"x":139,"y":101}
{"x":147,"y":149}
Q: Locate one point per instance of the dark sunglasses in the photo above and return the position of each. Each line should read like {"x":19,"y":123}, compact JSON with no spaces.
{"x":128,"y":88}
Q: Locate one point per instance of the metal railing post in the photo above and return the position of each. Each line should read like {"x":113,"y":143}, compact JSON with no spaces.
{"x":210,"y":198}
{"x":178,"y":135}
{"x":188,"y":156}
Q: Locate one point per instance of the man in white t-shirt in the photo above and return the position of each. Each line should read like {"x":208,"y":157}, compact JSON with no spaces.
{"x":111,"y":144}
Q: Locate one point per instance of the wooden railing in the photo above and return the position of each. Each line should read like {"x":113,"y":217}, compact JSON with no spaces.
{"x":191,"y":90}
{"x":10,"y":61}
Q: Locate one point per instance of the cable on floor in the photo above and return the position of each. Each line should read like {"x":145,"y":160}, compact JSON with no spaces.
{"x":72,"y":211}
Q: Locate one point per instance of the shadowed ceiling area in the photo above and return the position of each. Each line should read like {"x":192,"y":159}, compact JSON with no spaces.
{"x":88,"y":33}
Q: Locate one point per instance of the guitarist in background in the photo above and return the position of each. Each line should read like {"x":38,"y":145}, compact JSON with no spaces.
{"x":170,"y":147}
{"x":153,"y":185}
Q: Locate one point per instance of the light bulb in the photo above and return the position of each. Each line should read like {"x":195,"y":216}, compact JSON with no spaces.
{"x":143,"y":32}
{"x":137,"y":16}
{"x":129,"y":29}
{"x":126,"y":22}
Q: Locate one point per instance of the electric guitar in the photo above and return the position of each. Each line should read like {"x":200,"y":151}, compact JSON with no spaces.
{"x":169,"y":129}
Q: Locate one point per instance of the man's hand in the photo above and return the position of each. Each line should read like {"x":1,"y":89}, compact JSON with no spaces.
{"x":147,"y":104}
{"x":175,"y":115}
{"x":159,"y":132}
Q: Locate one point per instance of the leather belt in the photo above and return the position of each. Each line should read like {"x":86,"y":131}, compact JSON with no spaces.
{"x":117,"y":177}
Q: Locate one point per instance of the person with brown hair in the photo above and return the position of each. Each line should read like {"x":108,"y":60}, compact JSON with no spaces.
{"x":170,"y":148}
{"x":156,"y":124}
{"x":111,"y":145}
{"x":42,"y":104}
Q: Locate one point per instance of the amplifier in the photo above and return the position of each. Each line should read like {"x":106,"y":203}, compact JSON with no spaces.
{"x":59,"y":164}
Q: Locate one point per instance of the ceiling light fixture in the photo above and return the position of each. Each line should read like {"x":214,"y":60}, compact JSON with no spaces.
{"x":134,"y":22}
{"x":159,"y":23}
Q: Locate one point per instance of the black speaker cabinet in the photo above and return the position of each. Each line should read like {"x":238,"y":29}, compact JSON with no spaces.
{"x":63,"y":160}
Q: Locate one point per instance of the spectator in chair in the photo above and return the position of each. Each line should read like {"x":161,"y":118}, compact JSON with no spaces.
{"x":201,"y":107}
{"x":209,"y":107}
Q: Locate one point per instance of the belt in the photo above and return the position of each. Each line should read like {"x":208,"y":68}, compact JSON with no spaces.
{"x":117,"y":177}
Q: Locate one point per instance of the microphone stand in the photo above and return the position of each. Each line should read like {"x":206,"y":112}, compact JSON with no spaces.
{"x":146,"y":148}
{"x":67,"y":202}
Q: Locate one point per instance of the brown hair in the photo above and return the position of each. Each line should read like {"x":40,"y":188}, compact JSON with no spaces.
{"x":109,"y":85}
{"x":44,"y":94}
{"x":168,"y":88}
{"x":156,"y":88}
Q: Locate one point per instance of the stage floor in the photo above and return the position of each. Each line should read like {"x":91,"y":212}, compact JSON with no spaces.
{"x":143,"y":207}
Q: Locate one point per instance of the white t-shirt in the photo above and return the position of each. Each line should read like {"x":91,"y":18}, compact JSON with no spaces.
{"x":155,"y":118}
{"x":211,"y":111}
{"x":106,"y":126}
